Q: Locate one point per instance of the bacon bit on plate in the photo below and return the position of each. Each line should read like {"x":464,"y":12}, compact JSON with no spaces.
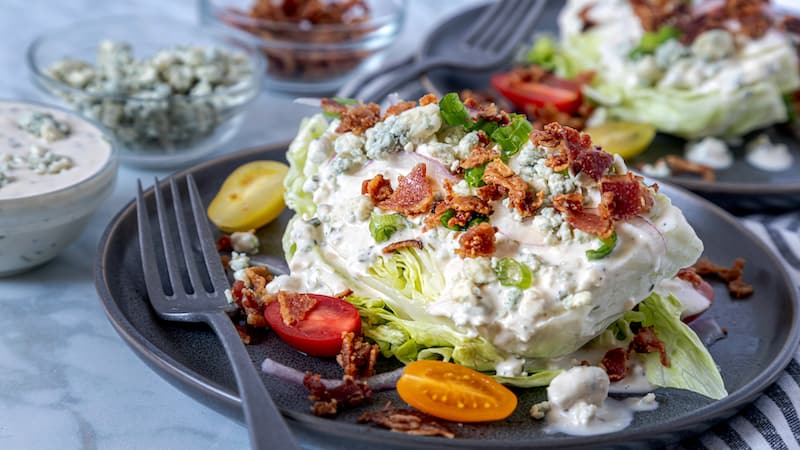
{"x":477,"y":241}
{"x":243,"y":334}
{"x":357,"y":356}
{"x":428,"y":99}
{"x":224,"y":244}
{"x":574,"y":147}
{"x":395,"y":246}
{"x":646,"y":341}
{"x":615,"y":363}
{"x":689,"y":275}
{"x":572,"y":205}
{"x":377,"y":187}
{"x":629,"y":196}
{"x":519,"y":197}
{"x":397,"y":108}
{"x":542,"y":115}
{"x":407,"y":421}
{"x":327,"y":401}
{"x":678,"y":165}
{"x":250,"y":301}
{"x":414,"y":194}
{"x":294,"y":306}
{"x":733,"y":275}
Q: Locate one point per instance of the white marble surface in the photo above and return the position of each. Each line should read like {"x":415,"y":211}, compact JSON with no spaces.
{"x":67,"y":380}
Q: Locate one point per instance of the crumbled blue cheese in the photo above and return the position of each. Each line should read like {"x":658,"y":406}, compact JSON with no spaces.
{"x":238,"y":263}
{"x":765,"y":155}
{"x":40,"y":160}
{"x":393,"y":134}
{"x":350,"y":153}
{"x":713,"y":45}
{"x":163,"y":99}
{"x":43,"y":125}
{"x":659,"y":169}
{"x":245,"y":242}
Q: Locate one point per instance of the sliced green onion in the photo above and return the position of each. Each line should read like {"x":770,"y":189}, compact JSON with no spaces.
{"x":474,"y":176}
{"x":651,"y":40}
{"x":606,"y":246}
{"x":479,"y":218}
{"x":513,"y":136}
{"x":510,"y":272}
{"x":446,"y":218}
{"x":383,"y":226}
{"x":453,"y":111}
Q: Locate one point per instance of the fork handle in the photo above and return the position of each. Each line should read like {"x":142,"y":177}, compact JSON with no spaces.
{"x":265,"y":423}
{"x":380,"y":88}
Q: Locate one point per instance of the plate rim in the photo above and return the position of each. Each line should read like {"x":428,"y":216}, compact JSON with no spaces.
{"x":716,"y":187}
{"x":197,"y":386}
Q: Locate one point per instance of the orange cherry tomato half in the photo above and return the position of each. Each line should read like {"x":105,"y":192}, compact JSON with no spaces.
{"x":454,"y":392}
{"x":564,"y":95}
{"x":320,"y":332}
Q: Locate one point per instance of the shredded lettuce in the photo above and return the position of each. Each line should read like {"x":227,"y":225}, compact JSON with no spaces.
{"x":411,"y":271}
{"x":691,"y":366}
{"x":453,"y":111}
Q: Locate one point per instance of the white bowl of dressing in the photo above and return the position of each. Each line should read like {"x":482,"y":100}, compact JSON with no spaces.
{"x":51,"y":181}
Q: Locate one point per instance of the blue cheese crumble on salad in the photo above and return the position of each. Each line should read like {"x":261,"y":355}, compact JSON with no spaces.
{"x":462,"y":234}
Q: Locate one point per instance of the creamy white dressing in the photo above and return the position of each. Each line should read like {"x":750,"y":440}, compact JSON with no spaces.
{"x":84,"y":146}
{"x":765,"y":155}
{"x":711,"y":152}
{"x":693,"y":301}
{"x":579,"y":405}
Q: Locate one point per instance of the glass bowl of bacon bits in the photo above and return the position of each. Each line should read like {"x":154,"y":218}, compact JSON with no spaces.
{"x":312,"y":46}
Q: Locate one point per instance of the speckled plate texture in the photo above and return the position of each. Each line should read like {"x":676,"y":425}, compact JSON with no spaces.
{"x":762,"y":333}
{"x":740,"y":188}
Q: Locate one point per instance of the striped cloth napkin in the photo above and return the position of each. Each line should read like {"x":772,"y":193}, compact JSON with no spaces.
{"x":772,"y":420}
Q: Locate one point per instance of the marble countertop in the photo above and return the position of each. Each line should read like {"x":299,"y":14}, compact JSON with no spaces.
{"x":67,"y":380}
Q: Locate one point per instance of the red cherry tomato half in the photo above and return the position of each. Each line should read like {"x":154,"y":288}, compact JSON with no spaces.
{"x":706,"y":291}
{"x":320,"y":332}
{"x":564,"y":95}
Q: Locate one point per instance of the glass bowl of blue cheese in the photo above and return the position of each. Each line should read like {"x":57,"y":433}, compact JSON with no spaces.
{"x":169,"y":92}
{"x":56,"y":168}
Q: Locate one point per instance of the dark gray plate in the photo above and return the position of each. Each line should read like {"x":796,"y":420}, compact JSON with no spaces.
{"x":763,"y":331}
{"x":740,"y":188}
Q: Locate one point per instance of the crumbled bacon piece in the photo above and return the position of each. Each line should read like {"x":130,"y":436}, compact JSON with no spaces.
{"x":327,"y":401}
{"x":395,"y":246}
{"x":477,"y":241}
{"x":407,"y":421}
{"x":479,"y":156}
{"x":487,"y":111}
{"x":243,"y":334}
{"x":253,"y":302}
{"x":357,"y":356}
{"x":583,"y":14}
{"x":678,"y":165}
{"x":791,"y":24}
{"x":689,"y":275}
{"x":224,"y":244}
{"x":615,"y":363}
{"x":542,"y":115}
{"x":655,"y":13}
{"x":646,"y":341}
{"x":629,"y":195}
{"x":465,"y":208}
{"x":294,"y":306}
{"x":519,"y":197}
{"x":575,"y":147}
{"x":414,"y":194}
{"x":733,"y":275}
{"x":572,"y":205}
{"x":428,"y":99}
{"x":356,"y":118}
{"x":377,"y":187}
{"x":344,"y":294}
{"x":490,"y":192}
{"x":397,"y":108}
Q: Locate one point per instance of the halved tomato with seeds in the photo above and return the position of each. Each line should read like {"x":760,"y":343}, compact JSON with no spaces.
{"x":453,"y":392}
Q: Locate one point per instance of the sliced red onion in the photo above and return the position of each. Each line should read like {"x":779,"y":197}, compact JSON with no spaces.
{"x":381,"y":382}
{"x":708,"y":330}
{"x":440,"y":172}
{"x":308,"y":101}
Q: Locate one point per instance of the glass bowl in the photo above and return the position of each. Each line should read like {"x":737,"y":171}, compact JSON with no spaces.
{"x":161,"y":117}
{"x":42,"y":211}
{"x":305,"y":57}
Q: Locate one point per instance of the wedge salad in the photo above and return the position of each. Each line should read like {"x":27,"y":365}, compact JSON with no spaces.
{"x":463,"y":235}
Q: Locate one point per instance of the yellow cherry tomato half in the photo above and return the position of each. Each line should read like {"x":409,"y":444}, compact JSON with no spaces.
{"x":453,"y":392}
{"x":627,"y":139}
{"x":251,"y":197}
